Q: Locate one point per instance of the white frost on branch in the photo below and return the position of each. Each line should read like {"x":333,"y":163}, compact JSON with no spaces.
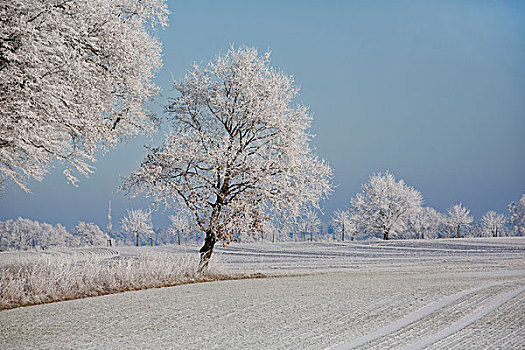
{"x":74,"y":79}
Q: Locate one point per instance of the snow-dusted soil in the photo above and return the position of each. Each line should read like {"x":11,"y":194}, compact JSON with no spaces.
{"x":439,"y":294}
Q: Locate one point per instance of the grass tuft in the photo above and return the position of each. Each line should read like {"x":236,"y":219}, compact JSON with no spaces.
{"x":43,"y":279}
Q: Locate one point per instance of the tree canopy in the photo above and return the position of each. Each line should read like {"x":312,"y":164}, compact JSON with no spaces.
{"x":384,"y":204}
{"x":75,"y":76}
{"x":459,"y":216}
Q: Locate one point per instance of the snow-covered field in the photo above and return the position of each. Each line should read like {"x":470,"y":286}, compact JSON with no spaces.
{"x":439,"y":294}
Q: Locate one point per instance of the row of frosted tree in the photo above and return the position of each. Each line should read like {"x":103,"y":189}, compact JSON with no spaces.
{"x":402,"y":218}
{"x":388,"y":208}
{"x":136,"y":228}
{"x":25,"y":234}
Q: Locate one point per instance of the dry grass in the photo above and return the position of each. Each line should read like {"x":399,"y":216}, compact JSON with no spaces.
{"x":43,"y":279}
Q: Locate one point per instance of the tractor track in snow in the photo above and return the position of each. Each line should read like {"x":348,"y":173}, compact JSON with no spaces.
{"x":439,"y":319}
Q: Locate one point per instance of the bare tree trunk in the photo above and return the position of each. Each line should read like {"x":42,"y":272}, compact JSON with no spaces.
{"x":207,"y":250}
{"x":312,"y":236}
{"x":343,"y":233}
{"x":385,"y":236}
{"x":458,"y":233}
{"x":273,"y":237}
{"x":137,"y":239}
{"x":178,"y":237}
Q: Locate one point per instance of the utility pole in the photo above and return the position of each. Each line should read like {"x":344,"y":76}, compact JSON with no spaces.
{"x":110,"y":225}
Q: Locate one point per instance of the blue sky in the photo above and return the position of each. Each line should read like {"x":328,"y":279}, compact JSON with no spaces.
{"x":433,"y":91}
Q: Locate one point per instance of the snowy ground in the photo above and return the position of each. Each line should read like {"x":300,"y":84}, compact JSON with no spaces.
{"x":438,"y":294}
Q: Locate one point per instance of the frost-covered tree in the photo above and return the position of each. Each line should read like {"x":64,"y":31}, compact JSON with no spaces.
{"x":425,"y":222}
{"x":89,"y":234}
{"x":458,"y":216}
{"x":137,"y":222}
{"x":339,"y":221}
{"x":300,"y":228}
{"x":344,"y":223}
{"x":238,"y":151}
{"x":180,"y":224}
{"x":312,"y":223}
{"x":74,"y":79}
{"x":384,"y":204}
{"x":278,"y":228}
{"x":23,"y":234}
{"x":492,"y":224}
{"x":517,"y":216}
{"x":271,"y":229}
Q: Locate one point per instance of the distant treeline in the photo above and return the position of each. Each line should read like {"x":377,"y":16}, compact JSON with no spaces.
{"x":24,"y":234}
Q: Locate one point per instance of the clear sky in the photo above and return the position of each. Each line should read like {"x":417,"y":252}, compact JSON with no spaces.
{"x":433,"y":91}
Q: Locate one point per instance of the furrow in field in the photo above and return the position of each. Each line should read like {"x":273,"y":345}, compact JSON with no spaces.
{"x":467,"y":320}
{"x":501,"y":329}
{"x":436,"y":322}
{"x":400,"y":331}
